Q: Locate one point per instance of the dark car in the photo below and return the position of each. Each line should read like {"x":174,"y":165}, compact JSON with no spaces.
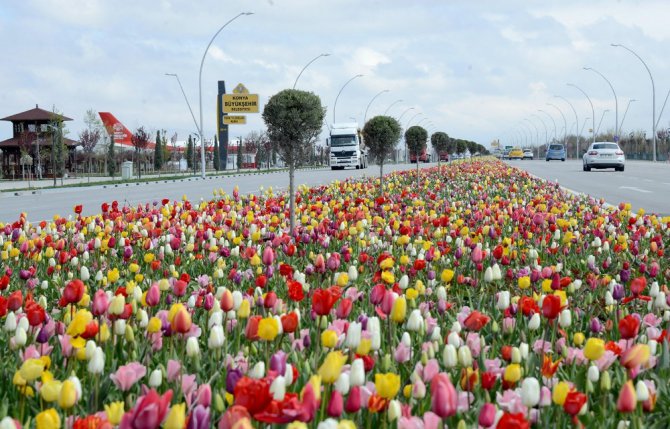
{"x":555,"y":151}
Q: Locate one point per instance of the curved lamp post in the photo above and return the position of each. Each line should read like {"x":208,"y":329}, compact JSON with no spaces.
{"x":576,"y":124}
{"x":365,"y":116}
{"x":565,"y":123}
{"x":537,"y":131}
{"x":185,"y":98}
{"x":338,"y":94}
{"x":616,"y":103}
{"x":593,"y":112}
{"x":546,"y":136}
{"x":601,"y":120}
{"x":307,"y":65}
{"x":626,"y":111}
{"x":202,"y":62}
{"x":391,"y":105}
{"x":653,"y":96}
{"x":552,"y":120}
{"x":403,"y":113}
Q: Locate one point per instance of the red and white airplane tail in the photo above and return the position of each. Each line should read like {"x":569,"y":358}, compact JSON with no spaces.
{"x":122,"y":135}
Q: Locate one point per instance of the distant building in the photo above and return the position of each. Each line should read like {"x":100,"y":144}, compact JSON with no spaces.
{"x":248,"y":155}
{"x":30,"y":148}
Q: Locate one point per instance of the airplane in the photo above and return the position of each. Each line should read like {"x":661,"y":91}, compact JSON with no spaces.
{"x":123,"y":136}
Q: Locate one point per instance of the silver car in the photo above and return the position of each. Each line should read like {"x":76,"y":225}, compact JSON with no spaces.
{"x":604,"y":155}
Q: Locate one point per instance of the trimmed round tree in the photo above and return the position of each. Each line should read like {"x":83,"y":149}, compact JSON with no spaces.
{"x":440,"y":142}
{"x":416,"y":138}
{"x":381,"y":134}
{"x":293,"y":119}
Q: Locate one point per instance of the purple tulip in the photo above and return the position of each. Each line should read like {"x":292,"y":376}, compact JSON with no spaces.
{"x":199,"y":418}
{"x":232,"y":377}
{"x":278,"y":362}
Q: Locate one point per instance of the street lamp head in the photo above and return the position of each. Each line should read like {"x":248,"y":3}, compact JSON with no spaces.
{"x":170,"y":74}
{"x":247,"y":13}
{"x":325,"y":55}
{"x":615,"y":45}
{"x":587,"y":68}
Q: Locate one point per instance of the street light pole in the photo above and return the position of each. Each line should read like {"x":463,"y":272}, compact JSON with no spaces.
{"x":552,"y":121}
{"x":565,"y":123}
{"x":616,"y":103}
{"x":338,"y":94}
{"x":626,"y":111}
{"x":601,"y":119}
{"x":576,"y":124}
{"x":412,"y":118}
{"x":185,"y":98}
{"x":546,"y":137}
{"x":303,"y":69}
{"x":202,"y":62}
{"x":391,"y":105}
{"x":593,"y":111}
{"x":403,"y":113}
{"x":653,"y":97}
{"x":537,"y":131}
{"x":365,"y":116}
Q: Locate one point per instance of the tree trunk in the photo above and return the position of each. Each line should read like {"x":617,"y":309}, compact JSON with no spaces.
{"x":381,"y":178}
{"x":291,"y":207}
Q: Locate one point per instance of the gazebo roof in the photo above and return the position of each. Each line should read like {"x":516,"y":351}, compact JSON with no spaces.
{"x":35,"y":114}
{"x":14,"y":142}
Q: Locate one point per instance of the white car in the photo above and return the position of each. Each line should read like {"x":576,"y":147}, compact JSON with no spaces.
{"x":604,"y":155}
{"x":527,"y":154}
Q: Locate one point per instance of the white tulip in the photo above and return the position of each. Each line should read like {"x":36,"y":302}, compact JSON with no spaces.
{"x":565,"y":318}
{"x":20,"y":337}
{"x":278,"y":388}
{"x":192,"y":347}
{"x":415,"y":321}
{"x":353,"y":338}
{"x":593,"y":374}
{"x":216,"y":337}
{"x":503,"y":300}
{"x":534,"y":322}
{"x":258,"y":371}
{"x":465,"y":356}
{"x":97,"y":363}
{"x":342,"y":384}
{"x":530,"y":392}
{"x":373,"y":327}
{"x":156,"y":378}
{"x":357,"y":373}
{"x":454,"y":339}
{"x":394,"y":410}
{"x":10,"y":322}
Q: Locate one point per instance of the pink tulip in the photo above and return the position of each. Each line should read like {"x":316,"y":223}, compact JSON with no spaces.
{"x":149,"y":411}
{"x":353,"y":403}
{"x":100,"y":303}
{"x":173,"y":370}
{"x":127,"y":375}
{"x":402,"y":353}
{"x":627,"y":400}
{"x":476,"y":256}
{"x":336,"y":404}
{"x":431,"y":370}
{"x":153,"y":295}
{"x":268,"y":256}
{"x":487,"y":415}
{"x":444,"y":399}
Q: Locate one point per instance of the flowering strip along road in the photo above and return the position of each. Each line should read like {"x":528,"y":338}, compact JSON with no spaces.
{"x":482,"y":297}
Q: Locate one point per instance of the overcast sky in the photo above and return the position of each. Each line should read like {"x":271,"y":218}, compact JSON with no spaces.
{"x":475,"y":69}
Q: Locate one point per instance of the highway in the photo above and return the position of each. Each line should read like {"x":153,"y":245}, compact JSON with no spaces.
{"x":643,"y":184}
{"x":44,"y":204}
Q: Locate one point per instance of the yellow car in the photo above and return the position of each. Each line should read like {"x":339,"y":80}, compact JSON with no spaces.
{"x":516,"y":153}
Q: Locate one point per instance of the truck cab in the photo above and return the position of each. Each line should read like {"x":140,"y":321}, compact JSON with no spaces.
{"x":423,"y":157}
{"x":347,"y":149}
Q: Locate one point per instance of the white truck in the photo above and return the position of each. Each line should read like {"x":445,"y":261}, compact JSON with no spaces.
{"x":347,"y":149}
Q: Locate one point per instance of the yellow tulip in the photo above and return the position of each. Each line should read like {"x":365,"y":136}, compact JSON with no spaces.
{"x":78,"y":325}
{"x":329,"y":338}
{"x":154,"y":325}
{"x":387,"y":385}
{"x":32,"y":369}
{"x":512,"y":373}
{"x":176,"y":418}
{"x":388,"y":277}
{"x":114,"y":412}
{"x":559,"y":393}
{"x":268,"y":328}
{"x":48,"y":419}
{"x":332,"y":367}
{"x":524,"y":282}
{"x":578,"y":338}
{"x":244,"y":310}
{"x":594,"y":348}
{"x":399,"y":310}
{"x":50,"y":391}
{"x":68,"y":395}
{"x":447,"y":275}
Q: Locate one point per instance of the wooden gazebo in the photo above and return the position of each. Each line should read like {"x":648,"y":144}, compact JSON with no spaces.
{"x":29,"y":151}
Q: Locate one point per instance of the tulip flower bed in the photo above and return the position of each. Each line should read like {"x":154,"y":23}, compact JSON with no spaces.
{"x":484,"y":297}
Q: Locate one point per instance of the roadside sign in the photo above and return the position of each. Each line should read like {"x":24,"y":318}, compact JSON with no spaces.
{"x":240,"y":103}
{"x":240,"y":89}
{"x":234,"y":119}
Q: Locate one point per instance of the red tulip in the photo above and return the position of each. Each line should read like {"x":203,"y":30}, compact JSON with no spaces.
{"x":528,"y":306}
{"x":270,"y":300}
{"x":574,"y":402}
{"x":100,"y":303}
{"x":295,"y":291}
{"x":15,"y":300}
{"x":182,"y":321}
{"x":513,"y":421}
{"x":3,"y":306}
{"x":353,"y":403}
{"x":73,"y":292}
{"x":475,"y":321}
{"x":443,"y":396}
{"x":335,"y":405}
{"x":4,"y":282}
{"x":344,"y":308}
{"x":289,"y":322}
{"x":251,"y":330}
{"x":179,"y":287}
{"x":629,"y":327}
{"x":252,"y":394}
{"x":78,"y":208}
{"x":551,"y":306}
{"x":323,"y":301}
{"x":36,"y":314}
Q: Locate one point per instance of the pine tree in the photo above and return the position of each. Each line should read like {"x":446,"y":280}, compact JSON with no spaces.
{"x":158,"y":153}
{"x":189,"y":153}
{"x":216,"y":154}
{"x":111,"y":157}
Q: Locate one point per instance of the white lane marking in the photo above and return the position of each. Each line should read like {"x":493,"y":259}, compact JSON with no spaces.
{"x":633,"y":188}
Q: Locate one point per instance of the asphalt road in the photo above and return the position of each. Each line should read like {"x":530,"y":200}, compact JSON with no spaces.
{"x":44,"y":204}
{"x":643,"y":184}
